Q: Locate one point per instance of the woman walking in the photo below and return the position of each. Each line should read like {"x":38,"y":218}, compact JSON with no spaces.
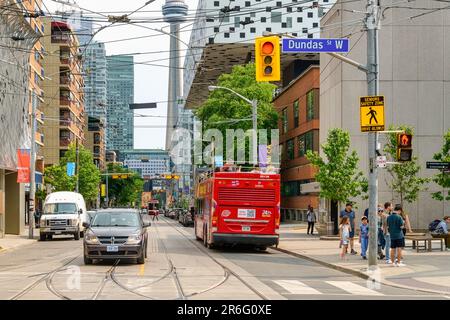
{"x":311,"y":217}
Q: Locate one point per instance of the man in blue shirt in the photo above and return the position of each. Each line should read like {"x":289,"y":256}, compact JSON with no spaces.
{"x":442,"y":231}
{"x":395,"y":224}
{"x":348,"y":211}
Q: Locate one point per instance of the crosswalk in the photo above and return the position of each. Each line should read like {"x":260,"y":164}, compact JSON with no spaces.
{"x":327,"y":287}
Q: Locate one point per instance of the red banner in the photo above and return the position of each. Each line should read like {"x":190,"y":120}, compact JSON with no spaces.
{"x":23,"y":166}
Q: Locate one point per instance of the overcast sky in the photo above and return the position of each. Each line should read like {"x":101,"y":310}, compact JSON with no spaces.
{"x":151,"y":82}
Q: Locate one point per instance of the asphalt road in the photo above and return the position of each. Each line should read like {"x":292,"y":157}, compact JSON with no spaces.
{"x":178,"y":267}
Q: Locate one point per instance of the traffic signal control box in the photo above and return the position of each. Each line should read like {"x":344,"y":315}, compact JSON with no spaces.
{"x":404,"y":147}
{"x":267,"y":59}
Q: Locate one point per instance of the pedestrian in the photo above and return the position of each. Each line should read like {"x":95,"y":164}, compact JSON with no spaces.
{"x":442,"y":232}
{"x":312,"y":218}
{"x":380,"y":235}
{"x":387,"y":237}
{"x":364,"y":237}
{"x":155,"y":215}
{"x":405,"y":218}
{"x":348,"y":212}
{"x":395,"y":224}
{"x":344,"y":232}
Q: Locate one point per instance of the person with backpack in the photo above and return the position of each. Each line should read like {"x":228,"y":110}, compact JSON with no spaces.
{"x":311,"y":217}
{"x":441,"y":231}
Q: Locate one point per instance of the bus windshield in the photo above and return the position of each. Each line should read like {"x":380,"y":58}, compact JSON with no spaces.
{"x":60,"y":208}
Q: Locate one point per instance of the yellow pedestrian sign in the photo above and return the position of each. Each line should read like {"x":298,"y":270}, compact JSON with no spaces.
{"x":372,"y":113}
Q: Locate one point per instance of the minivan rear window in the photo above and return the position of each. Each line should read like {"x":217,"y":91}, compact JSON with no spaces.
{"x":60,"y":208}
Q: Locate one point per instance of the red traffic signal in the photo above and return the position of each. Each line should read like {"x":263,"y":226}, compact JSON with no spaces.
{"x":404,"y":147}
{"x":404,"y":140}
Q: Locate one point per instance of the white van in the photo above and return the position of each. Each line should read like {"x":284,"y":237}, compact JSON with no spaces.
{"x":64,"y":213}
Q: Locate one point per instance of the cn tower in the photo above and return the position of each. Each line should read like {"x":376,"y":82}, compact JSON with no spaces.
{"x":174,"y":12}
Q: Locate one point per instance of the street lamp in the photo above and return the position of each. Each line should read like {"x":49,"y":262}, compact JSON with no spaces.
{"x":254,"y":104}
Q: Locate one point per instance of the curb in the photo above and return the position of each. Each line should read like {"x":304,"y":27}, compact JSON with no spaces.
{"x":358,"y":273}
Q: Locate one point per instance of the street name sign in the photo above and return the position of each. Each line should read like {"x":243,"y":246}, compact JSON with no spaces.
{"x":438,"y":165}
{"x":372,"y":113}
{"x":315,"y":45}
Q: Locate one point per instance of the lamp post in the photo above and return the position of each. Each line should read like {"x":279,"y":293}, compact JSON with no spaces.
{"x":254,"y":104}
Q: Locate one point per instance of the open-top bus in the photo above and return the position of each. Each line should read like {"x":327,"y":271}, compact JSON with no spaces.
{"x":238,"y":208}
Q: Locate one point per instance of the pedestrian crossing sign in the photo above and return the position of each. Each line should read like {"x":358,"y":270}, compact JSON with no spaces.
{"x":372,"y":113}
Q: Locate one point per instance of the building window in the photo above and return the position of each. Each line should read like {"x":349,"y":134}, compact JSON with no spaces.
{"x":216,"y":3}
{"x":310,"y":114}
{"x":285,"y":120}
{"x":290,"y":149}
{"x":310,"y":14}
{"x":276,"y":17}
{"x":296,"y":114}
{"x":306,"y":142}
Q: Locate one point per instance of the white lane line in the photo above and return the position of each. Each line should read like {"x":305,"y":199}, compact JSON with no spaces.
{"x":354,"y":288}
{"x":296,"y":287}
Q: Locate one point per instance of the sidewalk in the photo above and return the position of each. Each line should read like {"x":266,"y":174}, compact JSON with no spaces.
{"x":10,"y":242}
{"x":424,"y":271}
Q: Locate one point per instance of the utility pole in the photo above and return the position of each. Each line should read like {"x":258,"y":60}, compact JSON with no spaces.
{"x":373,"y":25}
{"x":32,"y":208}
{"x":77,"y":165}
{"x":107,"y":187}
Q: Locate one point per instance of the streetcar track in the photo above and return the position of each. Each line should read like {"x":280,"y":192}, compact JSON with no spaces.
{"x":30,"y":287}
{"x":225,"y":268}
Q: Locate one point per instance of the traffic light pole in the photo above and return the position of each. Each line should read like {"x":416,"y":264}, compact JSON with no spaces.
{"x":373,"y":25}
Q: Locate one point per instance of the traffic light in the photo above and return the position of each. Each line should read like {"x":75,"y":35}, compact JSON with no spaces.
{"x":404,"y":147}
{"x":267,"y":59}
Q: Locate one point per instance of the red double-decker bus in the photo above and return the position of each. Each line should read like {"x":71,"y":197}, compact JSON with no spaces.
{"x":238,"y":208}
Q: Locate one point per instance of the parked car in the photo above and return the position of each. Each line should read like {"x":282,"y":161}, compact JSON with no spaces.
{"x":116,"y":234}
{"x":64,"y":213}
{"x":185,"y":218}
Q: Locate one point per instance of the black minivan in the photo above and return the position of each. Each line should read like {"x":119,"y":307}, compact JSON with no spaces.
{"x":116,"y":234}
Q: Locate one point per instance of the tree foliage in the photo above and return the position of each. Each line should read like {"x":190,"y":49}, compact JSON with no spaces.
{"x":404,"y":178}
{"x":88,"y":173}
{"x":442,"y":178}
{"x":338,"y":173}
{"x":124,"y":192}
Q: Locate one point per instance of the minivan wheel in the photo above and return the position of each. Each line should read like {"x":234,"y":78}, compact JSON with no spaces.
{"x":141,"y":259}
{"x":42,"y":237}
{"x":76,"y":235}
{"x":87,"y":260}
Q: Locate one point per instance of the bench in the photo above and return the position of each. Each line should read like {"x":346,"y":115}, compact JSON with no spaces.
{"x":427,"y":240}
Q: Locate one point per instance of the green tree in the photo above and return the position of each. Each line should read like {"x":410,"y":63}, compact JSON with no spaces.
{"x":88,"y":173}
{"x":124,"y":191}
{"x":404,"y":177}
{"x":224,"y":110}
{"x":442,"y":178}
{"x":338,"y":173}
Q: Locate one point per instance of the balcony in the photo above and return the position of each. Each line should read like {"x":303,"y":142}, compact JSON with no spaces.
{"x":61,"y":37}
{"x":64,"y":101}
{"x":65,"y":59}
{"x":64,"y":141}
{"x":64,"y":80}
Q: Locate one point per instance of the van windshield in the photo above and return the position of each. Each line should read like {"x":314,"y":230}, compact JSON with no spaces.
{"x":60,"y":208}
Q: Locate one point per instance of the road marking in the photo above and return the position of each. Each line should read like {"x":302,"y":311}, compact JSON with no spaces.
{"x":142,"y":269}
{"x":353,"y":288}
{"x":296,"y":287}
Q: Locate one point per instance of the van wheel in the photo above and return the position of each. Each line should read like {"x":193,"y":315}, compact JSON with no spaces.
{"x":42,"y":237}
{"x":77,"y":235}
